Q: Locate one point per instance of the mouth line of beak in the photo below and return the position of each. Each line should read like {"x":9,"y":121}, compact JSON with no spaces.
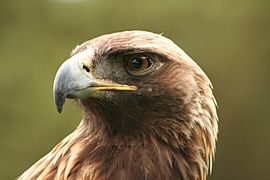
{"x":108,"y":87}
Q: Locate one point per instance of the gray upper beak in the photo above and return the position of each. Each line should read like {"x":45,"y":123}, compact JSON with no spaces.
{"x":70,"y":80}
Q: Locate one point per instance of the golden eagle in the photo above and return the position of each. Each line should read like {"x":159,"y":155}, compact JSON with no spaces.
{"x":148,"y":113}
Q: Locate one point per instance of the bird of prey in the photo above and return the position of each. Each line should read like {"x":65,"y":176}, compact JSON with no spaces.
{"x":148,"y":113}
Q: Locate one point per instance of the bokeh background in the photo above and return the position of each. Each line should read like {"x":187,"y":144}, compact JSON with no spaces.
{"x":229,"y":39}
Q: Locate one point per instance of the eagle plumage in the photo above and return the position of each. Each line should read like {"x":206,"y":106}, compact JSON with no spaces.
{"x":148,"y":112}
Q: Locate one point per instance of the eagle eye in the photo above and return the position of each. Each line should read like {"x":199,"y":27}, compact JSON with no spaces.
{"x":138,"y":64}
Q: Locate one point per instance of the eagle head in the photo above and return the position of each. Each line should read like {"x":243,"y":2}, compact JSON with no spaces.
{"x":149,"y":111}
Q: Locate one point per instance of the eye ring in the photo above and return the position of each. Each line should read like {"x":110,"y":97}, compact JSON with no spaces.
{"x":138,"y":64}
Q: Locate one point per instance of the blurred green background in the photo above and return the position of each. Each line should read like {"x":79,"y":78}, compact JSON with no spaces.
{"x":229,"y":39}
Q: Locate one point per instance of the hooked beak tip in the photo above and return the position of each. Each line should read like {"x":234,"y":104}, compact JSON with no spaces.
{"x":59,"y":99}
{"x":59,"y":108}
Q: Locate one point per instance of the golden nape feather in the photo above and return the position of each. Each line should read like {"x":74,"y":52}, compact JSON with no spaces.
{"x":148,"y":113}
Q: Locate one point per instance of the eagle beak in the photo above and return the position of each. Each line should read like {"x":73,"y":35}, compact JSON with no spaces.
{"x":74,"y":80}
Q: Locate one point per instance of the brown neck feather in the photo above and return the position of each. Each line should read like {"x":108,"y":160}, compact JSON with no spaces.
{"x":176,"y":147}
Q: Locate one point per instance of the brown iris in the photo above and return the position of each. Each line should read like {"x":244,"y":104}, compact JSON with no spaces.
{"x":138,"y":64}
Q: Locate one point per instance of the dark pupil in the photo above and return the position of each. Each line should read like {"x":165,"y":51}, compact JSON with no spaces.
{"x":137,"y":63}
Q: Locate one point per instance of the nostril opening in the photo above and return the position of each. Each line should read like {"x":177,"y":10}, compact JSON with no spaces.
{"x":86,"y":68}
